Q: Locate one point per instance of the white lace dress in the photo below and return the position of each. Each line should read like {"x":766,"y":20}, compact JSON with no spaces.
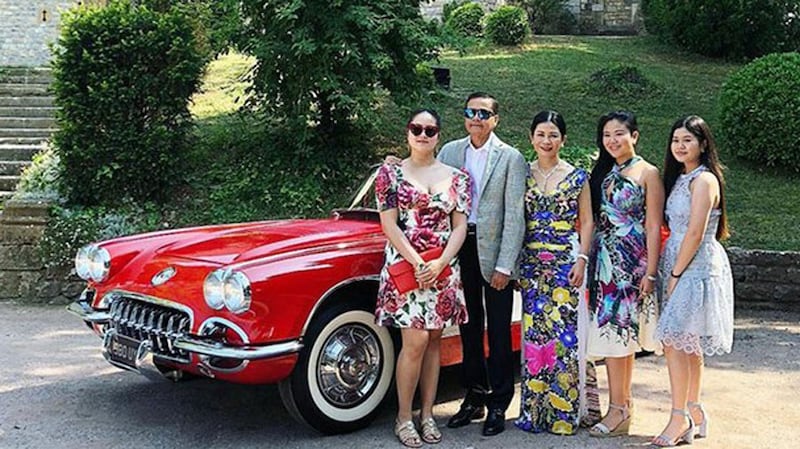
{"x":698,"y":317}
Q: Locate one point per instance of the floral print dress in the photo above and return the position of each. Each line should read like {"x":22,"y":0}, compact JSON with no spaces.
{"x":425,"y":221}
{"x":553,"y":370}
{"x":620,"y":323}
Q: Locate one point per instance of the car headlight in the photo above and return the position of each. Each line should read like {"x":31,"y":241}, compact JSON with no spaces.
{"x":214,"y":289}
{"x":82,"y":261}
{"x":237,"y":292}
{"x":99,"y":264}
{"x":92,"y":263}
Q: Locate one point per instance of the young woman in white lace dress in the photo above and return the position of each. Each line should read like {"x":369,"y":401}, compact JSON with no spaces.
{"x":697,"y":315}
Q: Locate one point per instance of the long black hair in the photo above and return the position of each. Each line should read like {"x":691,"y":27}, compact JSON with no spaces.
{"x":605,"y":162}
{"x":709,"y":157}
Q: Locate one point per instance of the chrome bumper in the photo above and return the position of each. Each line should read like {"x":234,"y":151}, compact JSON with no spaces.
{"x":85,"y":312}
{"x":195,"y":345}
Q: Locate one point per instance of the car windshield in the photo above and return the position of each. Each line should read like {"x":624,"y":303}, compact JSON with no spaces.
{"x":364,"y":197}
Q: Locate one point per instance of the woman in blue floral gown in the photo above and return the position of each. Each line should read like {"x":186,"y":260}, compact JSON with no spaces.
{"x":552,"y":266}
{"x":627,"y":201}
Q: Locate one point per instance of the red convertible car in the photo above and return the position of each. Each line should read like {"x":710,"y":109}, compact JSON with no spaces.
{"x":288,"y":302}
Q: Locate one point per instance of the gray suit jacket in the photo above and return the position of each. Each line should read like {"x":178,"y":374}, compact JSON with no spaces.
{"x":501,"y":209}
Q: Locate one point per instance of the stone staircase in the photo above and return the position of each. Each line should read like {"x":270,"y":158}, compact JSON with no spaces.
{"x":27,"y":119}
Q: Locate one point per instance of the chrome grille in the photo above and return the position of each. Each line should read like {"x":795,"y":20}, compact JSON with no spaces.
{"x":160,"y":325}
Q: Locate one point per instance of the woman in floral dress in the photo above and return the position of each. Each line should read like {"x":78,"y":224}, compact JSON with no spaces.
{"x":552,"y":266}
{"x":423,"y":205}
{"x":627,"y":202}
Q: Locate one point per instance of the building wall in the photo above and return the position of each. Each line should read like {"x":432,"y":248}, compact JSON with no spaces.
{"x":28,"y":27}
{"x":433,"y":8}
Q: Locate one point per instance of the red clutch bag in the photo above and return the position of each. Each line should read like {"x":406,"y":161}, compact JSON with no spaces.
{"x":402,"y":273}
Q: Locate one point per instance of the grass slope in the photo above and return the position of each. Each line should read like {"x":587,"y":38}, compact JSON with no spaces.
{"x":554,"y":73}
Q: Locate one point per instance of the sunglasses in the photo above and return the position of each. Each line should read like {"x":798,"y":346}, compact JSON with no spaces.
{"x":482,"y":114}
{"x":416,"y":130}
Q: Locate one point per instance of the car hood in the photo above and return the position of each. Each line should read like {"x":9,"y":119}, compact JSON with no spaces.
{"x":233,"y":245}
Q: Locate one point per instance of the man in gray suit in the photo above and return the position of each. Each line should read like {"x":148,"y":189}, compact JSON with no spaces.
{"x":487,"y":258}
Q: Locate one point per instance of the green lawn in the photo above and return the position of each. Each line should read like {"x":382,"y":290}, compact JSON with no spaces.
{"x":553,"y":73}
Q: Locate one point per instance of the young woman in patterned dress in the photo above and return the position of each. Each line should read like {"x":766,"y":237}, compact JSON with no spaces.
{"x":552,"y":267}
{"x":627,"y":202}
{"x":423,"y":205}
{"x":697,"y":315}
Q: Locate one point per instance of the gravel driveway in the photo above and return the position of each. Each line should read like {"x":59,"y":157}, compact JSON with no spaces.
{"x":56,"y":391}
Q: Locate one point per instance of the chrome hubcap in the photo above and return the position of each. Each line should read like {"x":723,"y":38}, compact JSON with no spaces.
{"x":349,"y":365}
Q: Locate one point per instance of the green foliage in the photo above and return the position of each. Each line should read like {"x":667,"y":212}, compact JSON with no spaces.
{"x":448,"y":38}
{"x":42,"y":179}
{"x":449,"y":7}
{"x":218,"y":23}
{"x":549,"y":16}
{"x":622,"y":81}
{"x":760,"y":111}
{"x":467,"y":20}
{"x":123,"y":76}
{"x":507,"y":25}
{"x":322,"y":66}
{"x":726,"y":28}
{"x":579,"y":156}
{"x":70,"y":228}
{"x":239,"y":184}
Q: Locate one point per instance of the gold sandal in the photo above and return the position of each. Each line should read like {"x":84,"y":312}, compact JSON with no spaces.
{"x":407,"y":434}
{"x":601,"y":430}
{"x":430,"y":432}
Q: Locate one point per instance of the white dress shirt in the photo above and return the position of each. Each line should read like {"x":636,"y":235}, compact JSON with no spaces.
{"x":475,"y":163}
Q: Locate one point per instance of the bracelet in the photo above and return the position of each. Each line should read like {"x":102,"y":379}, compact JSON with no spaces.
{"x":584,"y":257}
{"x":676,"y":276}
{"x":651,"y":278}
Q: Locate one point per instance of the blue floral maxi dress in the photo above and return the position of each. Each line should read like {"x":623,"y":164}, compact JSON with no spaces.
{"x":425,"y":220}
{"x":620,"y":323}
{"x":553,"y":397}
{"x":698,"y":317}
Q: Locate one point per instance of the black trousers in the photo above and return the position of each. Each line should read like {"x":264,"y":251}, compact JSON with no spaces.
{"x":488,"y":381}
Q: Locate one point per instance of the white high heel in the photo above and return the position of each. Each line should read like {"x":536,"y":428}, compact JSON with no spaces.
{"x":686,"y":437}
{"x":702,"y":428}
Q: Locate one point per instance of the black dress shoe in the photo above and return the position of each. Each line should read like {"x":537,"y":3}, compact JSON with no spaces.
{"x":465,"y":415}
{"x":495,"y":422}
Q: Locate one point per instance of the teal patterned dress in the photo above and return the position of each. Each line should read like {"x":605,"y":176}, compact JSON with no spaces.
{"x":551,"y":387}
{"x":621,"y":324}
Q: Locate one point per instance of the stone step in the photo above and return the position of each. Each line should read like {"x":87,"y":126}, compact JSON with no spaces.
{"x":12,"y":168}
{"x":24,"y":141}
{"x":20,"y":71}
{"x":19,"y":90}
{"x":27,"y":132}
{"x":28,"y":122}
{"x":32,"y":78}
{"x":8,"y":182}
{"x":5,"y":195}
{"x":14,"y":152}
{"x":17,"y":111}
{"x":27,"y":102}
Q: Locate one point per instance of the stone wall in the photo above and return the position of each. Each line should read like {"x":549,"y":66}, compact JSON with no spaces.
{"x":763,"y":279}
{"x":23,"y":276}
{"x":27,"y":28}
{"x":433,"y":9}
{"x":766,"y":279}
{"x":610,"y":16}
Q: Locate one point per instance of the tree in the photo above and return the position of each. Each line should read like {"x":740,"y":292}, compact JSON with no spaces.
{"x":322,"y":63}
